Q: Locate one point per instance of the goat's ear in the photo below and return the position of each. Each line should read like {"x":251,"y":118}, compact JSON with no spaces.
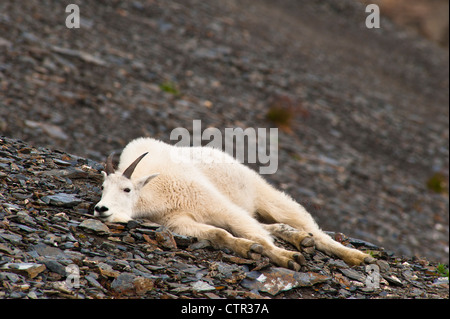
{"x":143,"y":181}
{"x":104,"y":175}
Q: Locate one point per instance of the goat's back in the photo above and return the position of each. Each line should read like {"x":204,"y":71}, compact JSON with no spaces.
{"x":206,"y":165}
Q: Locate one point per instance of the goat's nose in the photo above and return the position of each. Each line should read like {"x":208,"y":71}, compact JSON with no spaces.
{"x":101,"y":209}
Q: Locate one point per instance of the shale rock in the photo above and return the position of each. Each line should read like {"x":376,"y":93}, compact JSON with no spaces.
{"x":62,"y":251}
{"x":130,"y":284}
{"x":94,"y":226}
{"x":29,"y":269}
{"x":366,"y":153}
{"x":277,"y":280}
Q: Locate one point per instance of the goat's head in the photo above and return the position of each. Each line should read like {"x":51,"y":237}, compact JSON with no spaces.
{"x":119,"y":192}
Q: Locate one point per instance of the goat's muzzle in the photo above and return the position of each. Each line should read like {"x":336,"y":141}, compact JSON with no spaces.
{"x":102,"y":211}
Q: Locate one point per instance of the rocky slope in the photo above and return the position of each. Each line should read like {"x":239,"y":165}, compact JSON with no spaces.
{"x":51,"y":247}
{"x":366,"y":150}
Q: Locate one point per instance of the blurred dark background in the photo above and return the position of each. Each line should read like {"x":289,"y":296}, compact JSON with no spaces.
{"x":362,"y":113}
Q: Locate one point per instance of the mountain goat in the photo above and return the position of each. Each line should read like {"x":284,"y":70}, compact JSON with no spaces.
{"x":214,"y":198}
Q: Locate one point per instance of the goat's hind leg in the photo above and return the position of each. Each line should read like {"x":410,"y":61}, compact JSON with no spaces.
{"x":302,"y":240}
{"x":276,"y":207}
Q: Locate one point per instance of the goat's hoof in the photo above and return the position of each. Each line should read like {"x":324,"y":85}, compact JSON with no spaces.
{"x":256,"y":248}
{"x":307,"y":242}
{"x":307,"y":245}
{"x":254,"y":256}
{"x":369,"y":260}
{"x":292,"y":265}
{"x":308,"y":250}
{"x":255,"y":251}
{"x":299,"y":258}
{"x":357,"y":258}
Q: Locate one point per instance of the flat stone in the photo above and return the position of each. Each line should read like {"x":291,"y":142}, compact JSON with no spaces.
{"x":393,"y":280}
{"x":279,"y":279}
{"x":62,"y":200}
{"x":4,"y":42}
{"x":132,"y":224}
{"x":358,"y":242}
{"x":237,"y":260}
{"x":108,"y":271}
{"x":143,"y":285}
{"x":202,"y":286}
{"x":61,"y":162}
{"x":383,"y":265}
{"x":85,"y":56}
{"x":71,"y":172}
{"x":94,"y":282}
{"x":5,"y":249}
{"x":416,"y":292}
{"x":9,"y":276}
{"x":337,"y":263}
{"x":123,"y":283}
{"x":55,"y":267}
{"x":344,"y":293}
{"x":441,"y":282}
{"x":49,"y":252}
{"x":183,"y":241}
{"x":130,"y":284}
{"x":54,"y":131}
{"x":29,"y":269}
{"x":201,"y":244}
{"x":75,"y":256}
{"x":12,"y":238}
{"x":24,"y":218}
{"x":94,"y":226}
{"x":165,"y":238}
{"x":25,"y":228}
{"x":353,"y":274}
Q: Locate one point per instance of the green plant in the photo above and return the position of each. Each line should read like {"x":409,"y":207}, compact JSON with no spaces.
{"x":374,"y":253}
{"x":169,"y":87}
{"x":283,"y":109}
{"x":437,"y":183}
{"x":442,"y":270}
{"x":280,"y":115}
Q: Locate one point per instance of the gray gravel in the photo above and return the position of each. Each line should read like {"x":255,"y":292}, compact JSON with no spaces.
{"x":371,"y":130}
{"x":56,"y":249}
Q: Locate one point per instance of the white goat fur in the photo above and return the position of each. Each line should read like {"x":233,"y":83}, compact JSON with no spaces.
{"x":218,"y":201}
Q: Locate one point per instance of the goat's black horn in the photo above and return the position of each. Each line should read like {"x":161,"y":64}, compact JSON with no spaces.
{"x":130,"y":169}
{"x":109,"y":164}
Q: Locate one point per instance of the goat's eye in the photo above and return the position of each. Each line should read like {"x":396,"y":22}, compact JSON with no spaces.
{"x":127,"y":190}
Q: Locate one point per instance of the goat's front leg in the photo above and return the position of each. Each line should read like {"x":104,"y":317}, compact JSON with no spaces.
{"x":184,"y":225}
